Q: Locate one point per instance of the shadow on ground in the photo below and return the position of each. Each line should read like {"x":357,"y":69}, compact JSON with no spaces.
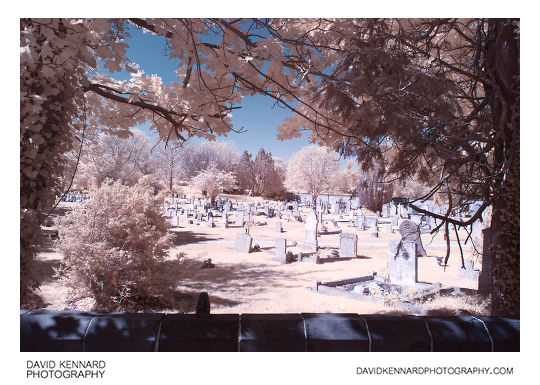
{"x":185,"y":237}
{"x":237,"y":278}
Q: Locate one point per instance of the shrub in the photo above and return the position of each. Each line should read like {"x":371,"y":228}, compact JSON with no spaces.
{"x":114,"y":248}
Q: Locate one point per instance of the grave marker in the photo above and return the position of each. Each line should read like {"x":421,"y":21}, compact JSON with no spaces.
{"x":348,"y":245}
{"x":371,"y":223}
{"x":410,"y":233}
{"x":243,"y":242}
{"x":281,"y":250}
{"x":310,"y":238}
{"x":402,"y":263}
{"x":239,"y":218}
{"x":224,"y":220}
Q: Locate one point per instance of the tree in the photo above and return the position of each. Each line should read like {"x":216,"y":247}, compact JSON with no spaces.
{"x":195,"y":158}
{"x":213,"y":181}
{"x":245,"y":172}
{"x":168,"y":163}
{"x":310,"y":170}
{"x":345,"y":182}
{"x":268,"y":182}
{"x":114,"y":247}
{"x":116,"y":158}
{"x":372,"y":190}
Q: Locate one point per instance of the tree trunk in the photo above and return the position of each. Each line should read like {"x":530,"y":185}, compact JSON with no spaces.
{"x":502,"y":64}
{"x":505,"y":248}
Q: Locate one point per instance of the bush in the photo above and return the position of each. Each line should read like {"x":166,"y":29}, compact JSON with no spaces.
{"x":114,"y":248}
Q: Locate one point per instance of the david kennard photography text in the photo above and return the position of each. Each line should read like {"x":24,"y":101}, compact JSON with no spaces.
{"x":65,"y":369}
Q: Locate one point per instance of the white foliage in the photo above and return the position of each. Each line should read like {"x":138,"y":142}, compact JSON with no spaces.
{"x":223,"y":155}
{"x":310,"y":170}
{"x":213,"y":181}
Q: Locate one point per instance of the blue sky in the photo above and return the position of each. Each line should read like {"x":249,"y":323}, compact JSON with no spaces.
{"x":257,"y":116}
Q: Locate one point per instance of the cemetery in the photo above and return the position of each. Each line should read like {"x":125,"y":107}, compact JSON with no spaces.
{"x":276,"y":256}
{"x":382,"y":195}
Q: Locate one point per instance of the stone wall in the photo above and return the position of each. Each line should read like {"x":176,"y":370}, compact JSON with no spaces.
{"x":48,"y":331}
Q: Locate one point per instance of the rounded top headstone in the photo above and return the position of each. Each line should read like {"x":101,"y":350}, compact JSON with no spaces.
{"x":408,"y":230}
{"x":311,"y":220}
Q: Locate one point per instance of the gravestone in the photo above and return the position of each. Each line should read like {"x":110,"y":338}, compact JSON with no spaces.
{"x":403,"y":212}
{"x":210,"y":220}
{"x":174,"y":221}
{"x":392,"y":208}
{"x":402,"y":263}
{"x":243,"y":242}
{"x":430,"y":221}
{"x":416,"y":218}
{"x":239,"y":218}
{"x":310,"y":238}
{"x":348,"y":245}
{"x":389,"y":229}
{"x":279,"y":229}
{"x":224,"y":220}
{"x":281,"y":250}
{"x":385,"y":210}
{"x":395,"y":221}
{"x":410,"y":233}
{"x":469,"y":272}
{"x":371,"y":223}
{"x":351,"y":217}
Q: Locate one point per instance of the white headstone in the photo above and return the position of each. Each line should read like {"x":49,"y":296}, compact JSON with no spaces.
{"x":348,"y":245}
{"x":281,"y":250}
{"x":243,"y":242}
{"x":310,"y":238}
